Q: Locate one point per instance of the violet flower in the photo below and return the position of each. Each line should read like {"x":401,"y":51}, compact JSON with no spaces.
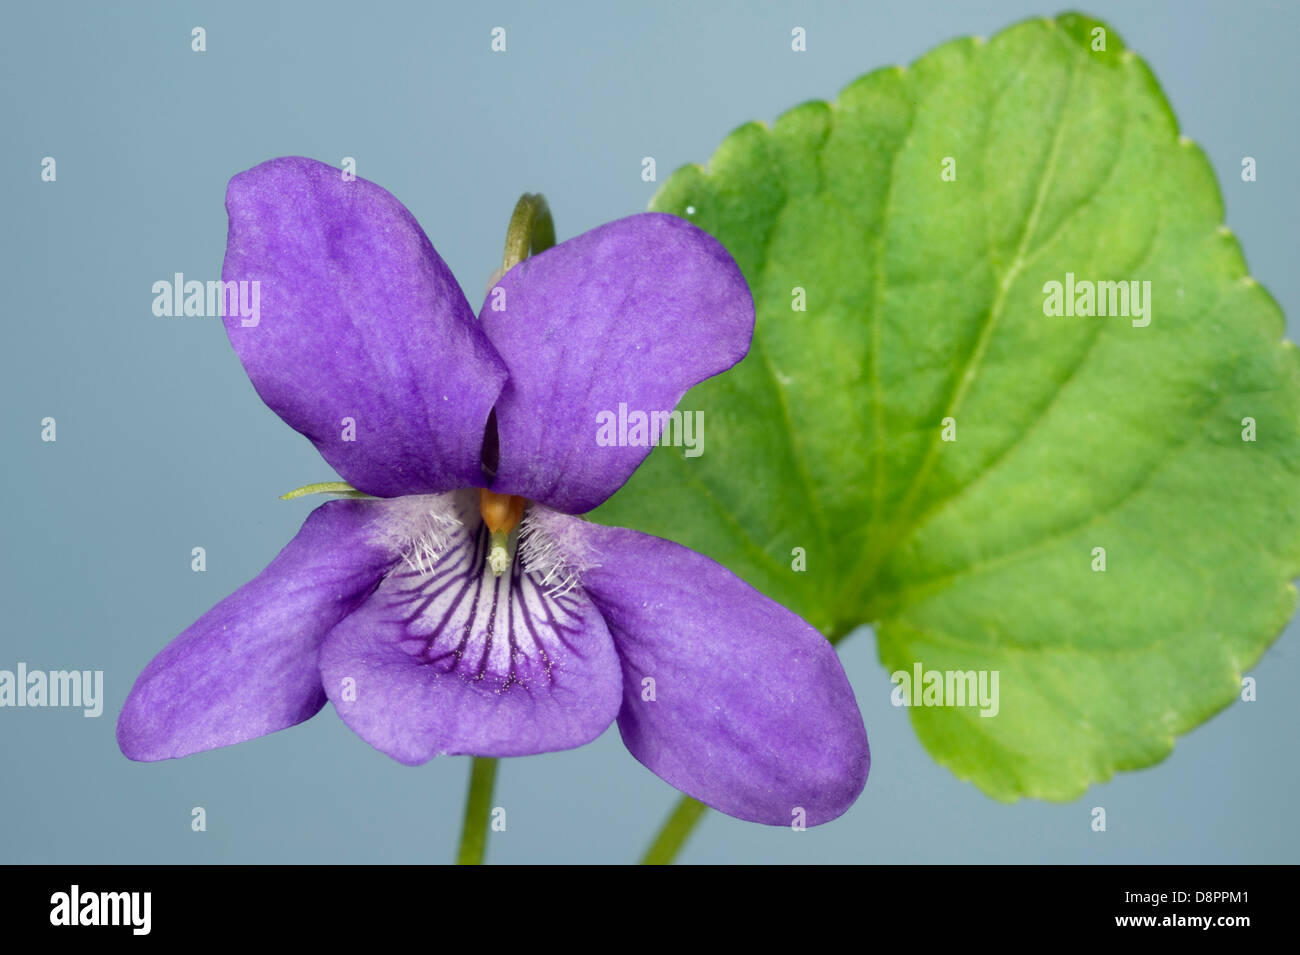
{"x":463,"y":609}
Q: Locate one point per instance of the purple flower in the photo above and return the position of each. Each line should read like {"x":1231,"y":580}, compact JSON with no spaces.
{"x":462,"y":609}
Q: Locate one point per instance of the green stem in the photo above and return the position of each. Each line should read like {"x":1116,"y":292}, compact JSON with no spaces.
{"x":478,"y":809}
{"x":531,"y":230}
{"x":675,"y":831}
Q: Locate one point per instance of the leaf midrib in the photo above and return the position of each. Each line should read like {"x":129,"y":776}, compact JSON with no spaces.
{"x":863,"y":574}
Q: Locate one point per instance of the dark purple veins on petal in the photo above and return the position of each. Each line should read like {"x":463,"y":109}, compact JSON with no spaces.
{"x":445,"y":657}
{"x":461,"y":620}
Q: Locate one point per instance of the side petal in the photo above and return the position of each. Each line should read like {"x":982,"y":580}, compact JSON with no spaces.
{"x":752,"y":713}
{"x":447,"y":658}
{"x":624,"y":318}
{"x":248,"y":666}
{"x":360,"y":338}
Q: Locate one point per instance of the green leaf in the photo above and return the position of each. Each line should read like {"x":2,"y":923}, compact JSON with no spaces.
{"x":925,"y":301}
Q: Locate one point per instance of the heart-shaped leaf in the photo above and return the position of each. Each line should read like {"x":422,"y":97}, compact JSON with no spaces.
{"x":1103,"y":510}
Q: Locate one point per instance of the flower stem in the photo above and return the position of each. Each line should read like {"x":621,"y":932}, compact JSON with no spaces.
{"x":675,"y":831}
{"x":531,"y":230}
{"x":478,"y":809}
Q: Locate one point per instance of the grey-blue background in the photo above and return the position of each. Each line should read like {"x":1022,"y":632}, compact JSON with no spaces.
{"x":163,"y":445}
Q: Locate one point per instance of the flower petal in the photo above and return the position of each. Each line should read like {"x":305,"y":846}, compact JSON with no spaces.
{"x":363,"y":341}
{"x":632,"y":313}
{"x":446,"y":658}
{"x":248,"y":666}
{"x":751,"y":710}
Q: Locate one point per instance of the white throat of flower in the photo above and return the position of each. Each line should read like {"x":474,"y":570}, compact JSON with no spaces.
{"x":432,"y":526}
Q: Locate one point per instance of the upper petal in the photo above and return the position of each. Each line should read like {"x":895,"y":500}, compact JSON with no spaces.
{"x":248,"y":666}
{"x":750,"y":711}
{"x":362,"y":340}
{"x":446,"y":658}
{"x":632,"y":313}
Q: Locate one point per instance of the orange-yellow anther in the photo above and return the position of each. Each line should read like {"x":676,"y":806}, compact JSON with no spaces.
{"x":501,"y":512}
